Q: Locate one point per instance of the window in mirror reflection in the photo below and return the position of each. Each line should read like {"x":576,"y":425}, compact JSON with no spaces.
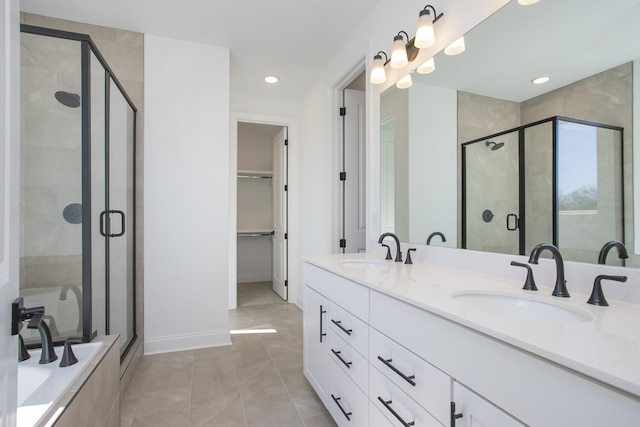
{"x":577,"y":168}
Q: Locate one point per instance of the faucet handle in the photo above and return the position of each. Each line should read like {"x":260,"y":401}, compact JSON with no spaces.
{"x":529,"y":282}
{"x":409,"y":261}
{"x":388,"y":251}
{"x":597,"y":296}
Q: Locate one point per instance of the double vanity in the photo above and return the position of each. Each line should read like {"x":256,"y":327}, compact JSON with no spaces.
{"x":392,"y":344}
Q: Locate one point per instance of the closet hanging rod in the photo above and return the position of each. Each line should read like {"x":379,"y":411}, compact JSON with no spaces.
{"x":254,"y":234}
{"x":254,"y":176}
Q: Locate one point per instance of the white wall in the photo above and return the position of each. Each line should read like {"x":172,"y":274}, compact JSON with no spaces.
{"x":186,"y":188}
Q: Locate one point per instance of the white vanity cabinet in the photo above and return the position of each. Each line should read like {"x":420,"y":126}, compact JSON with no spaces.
{"x":473,"y":411}
{"x":315,"y":343}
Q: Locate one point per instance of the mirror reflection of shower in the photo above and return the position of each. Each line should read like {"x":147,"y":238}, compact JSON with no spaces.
{"x":495,"y":145}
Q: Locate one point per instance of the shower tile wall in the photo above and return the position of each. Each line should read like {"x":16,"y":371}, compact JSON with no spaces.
{"x":479,"y":116}
{"x":123,"y":51}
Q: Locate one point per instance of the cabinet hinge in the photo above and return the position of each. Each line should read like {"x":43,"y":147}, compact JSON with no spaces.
{"x":343,"y":111}
{"x":343,"y":243}
{"x":343,"y":176}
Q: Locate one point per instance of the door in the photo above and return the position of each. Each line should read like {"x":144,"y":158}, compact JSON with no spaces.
{"x":280,"y":245}
{"x":354,"y":177}
{"x":316,"y":358}
{"x":471,"y":410}
{"x":9,"y":201}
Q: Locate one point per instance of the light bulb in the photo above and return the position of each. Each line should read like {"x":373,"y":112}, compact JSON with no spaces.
{"x":429,"y":66}
{"x":399,"y":53}
{"x":425,"y":35}
{"x":404,"y":82}
{"x":378,"y":75}
{"x":455,"y":48}
{"x":527,"y":2}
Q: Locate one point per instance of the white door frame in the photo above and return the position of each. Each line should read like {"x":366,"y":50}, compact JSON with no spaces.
{"x":284,"y":121}
{"x":338,"y":85}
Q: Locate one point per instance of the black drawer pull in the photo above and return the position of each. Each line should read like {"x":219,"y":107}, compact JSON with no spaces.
{"x":346,"y":414}
{"x":322,"y":334}
{"x":454,"y":416}
{"x":337,"y":354}
{"x":387,"y":405}
{"x":339,"y":325}
{"x":387,"y":362}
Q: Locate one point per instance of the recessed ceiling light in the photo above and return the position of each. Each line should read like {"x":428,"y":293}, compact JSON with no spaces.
{"x":271,"y":79}
{"x":540,"y":80}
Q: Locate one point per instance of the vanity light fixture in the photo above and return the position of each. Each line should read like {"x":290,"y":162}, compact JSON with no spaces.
{"x":378,"y":74}
{"x":540,"y":80}
{"x":271,"y":79}
{"x":399,"y":58}
{"x":429,"y":66}
{"x":425,"y":35}
{"x":404,"y":82}
{"x":455,"y":48}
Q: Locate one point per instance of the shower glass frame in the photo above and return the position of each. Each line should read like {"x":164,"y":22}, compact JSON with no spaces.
{"x":555,"y":122}
{"x":89,"y":50}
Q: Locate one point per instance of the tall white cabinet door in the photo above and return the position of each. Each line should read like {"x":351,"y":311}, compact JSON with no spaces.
{"x":9,"y":203}
{"x":477,"y":412}
{"x":354,"y":165}
{"x":316,"y":357}
{"x":280,"y":247}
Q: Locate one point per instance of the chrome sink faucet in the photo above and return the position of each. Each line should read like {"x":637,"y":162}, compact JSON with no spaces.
{"x":398,"y":252}
{"x":560,"y":289}
{"x":622,"y":251}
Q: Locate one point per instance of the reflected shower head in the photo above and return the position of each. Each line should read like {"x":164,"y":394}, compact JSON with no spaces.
{"x":496,"y":145}
{"x":68,"y":99}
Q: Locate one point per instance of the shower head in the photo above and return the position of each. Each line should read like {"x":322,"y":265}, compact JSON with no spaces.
{"x":68,"y":99}
{"x":496,"y":145}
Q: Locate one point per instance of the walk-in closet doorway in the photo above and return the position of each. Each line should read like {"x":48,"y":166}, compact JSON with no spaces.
{"x":262,"y":249}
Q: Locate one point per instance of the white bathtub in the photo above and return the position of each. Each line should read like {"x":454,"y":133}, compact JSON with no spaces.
{"x":40,"y":386}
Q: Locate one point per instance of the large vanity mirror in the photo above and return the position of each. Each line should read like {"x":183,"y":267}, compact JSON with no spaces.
{"x":476,"y":151}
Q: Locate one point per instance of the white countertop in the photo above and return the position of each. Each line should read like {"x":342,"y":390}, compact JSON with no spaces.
{"x":606,"y":348}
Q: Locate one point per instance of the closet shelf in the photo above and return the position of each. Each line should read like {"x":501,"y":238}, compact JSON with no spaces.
{"x":255,"y":174}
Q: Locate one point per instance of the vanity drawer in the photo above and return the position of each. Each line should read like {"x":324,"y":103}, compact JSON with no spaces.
{"x":398,"y":408}
{"x":424,"y":383}
{"x":352,"y":296}
{"x":347,"y":404}
{"x":348,"y":327}
{"x":350,"y":361}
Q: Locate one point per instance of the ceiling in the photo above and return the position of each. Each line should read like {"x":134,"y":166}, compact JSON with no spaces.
{"x":290,"y":39}
{"x":567,"y":40}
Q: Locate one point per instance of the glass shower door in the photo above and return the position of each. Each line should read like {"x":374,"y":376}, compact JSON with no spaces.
{"x":491,"y":194}
{"x":121,"y":218}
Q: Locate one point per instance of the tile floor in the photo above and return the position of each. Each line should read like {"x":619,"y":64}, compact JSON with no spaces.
{"x":257,"y":381}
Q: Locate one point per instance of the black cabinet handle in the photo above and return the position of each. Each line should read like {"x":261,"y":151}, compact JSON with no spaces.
{"x":387,"y":362}
{"x":344,"y":362}
{"x":346,"y":414}
{"x":454,"y":416}
{"x":339,"y":325}
{"x":387,"y":404}
{"x":322,"y":334}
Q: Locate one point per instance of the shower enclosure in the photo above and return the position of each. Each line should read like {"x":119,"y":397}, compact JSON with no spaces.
{"x":558,"y":180}
{"x":77,"y":256}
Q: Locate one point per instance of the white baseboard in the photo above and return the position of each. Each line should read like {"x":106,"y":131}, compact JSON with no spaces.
{"x":186,"y":342}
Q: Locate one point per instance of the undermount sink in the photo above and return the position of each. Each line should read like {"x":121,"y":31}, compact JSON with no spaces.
{"x":521,"y":307}
{"x":367,"y":263}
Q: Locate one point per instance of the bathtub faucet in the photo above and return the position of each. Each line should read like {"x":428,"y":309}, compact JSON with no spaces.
{"x":20,"y":314}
